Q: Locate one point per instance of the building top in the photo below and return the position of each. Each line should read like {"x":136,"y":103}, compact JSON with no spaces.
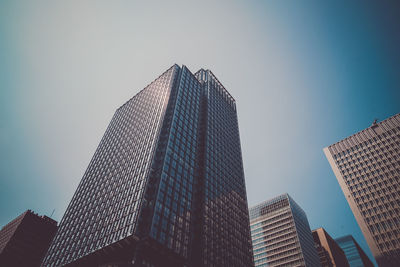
{"x":347,"y":238}
{"x":204,"y":76}
{"x":321,"y":231}
{"x":29,"y":212}
{"x":160,"y":76}
{"x":272,"y":205}
{"x":268,"y":206}
{"x":372,"y":131}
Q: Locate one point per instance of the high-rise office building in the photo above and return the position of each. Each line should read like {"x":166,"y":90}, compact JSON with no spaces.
{"x":354,"y":253}
{"x":165,"y":186}
{"x":367,"y":167}
{"x":25,"y":240}
{"x":329,"y":252}
{"x":281,"y":234}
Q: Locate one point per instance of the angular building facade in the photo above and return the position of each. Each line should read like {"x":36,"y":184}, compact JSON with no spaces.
{"x":356,"y":257}
{"x":367,"y":167}
{"x":281,"y":235}
{"x":165,"y":186}
{"x":329,"y":252}
{"x":25,"y":240}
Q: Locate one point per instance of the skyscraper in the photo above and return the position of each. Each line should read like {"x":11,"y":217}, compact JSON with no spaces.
{"x":25,"y":240}
{"x":329,"y":252}
{"x":165,"y":186}
{"x":367,"y":167}
{"x":354,"y":253}
{"x":281,"y":234}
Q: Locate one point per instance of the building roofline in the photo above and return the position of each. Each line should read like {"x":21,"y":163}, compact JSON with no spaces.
{"x":374,"y":124}
{"x":219,"y":83}
{"x":271,"y":200}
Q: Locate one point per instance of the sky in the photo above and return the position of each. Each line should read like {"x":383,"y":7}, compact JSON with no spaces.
{"x":305,"y":74}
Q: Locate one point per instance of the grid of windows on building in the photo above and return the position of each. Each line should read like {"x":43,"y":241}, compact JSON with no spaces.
{"x":142,"y":199}
{"x":172,"y":217}
{"x":367,"y":166}
{"x":226,"y":233}
{"x":281,"y":235}
{"x":354,"y":253}
{"x":105,"y":205}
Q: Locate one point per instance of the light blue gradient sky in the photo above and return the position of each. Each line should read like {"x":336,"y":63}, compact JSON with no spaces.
{"x":305,"y":74}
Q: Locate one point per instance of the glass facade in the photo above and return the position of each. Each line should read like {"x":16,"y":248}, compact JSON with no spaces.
{"x":105,"y":206}
{"x":367,"y":167}
{"x":171,"y":223}
{"x":354,"y":254}
{"x":147,"y":190}
{"x":225,"y":232}
{"x":281,"y":234}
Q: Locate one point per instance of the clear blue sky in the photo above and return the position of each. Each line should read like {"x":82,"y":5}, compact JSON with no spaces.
{"x":305,"y":74}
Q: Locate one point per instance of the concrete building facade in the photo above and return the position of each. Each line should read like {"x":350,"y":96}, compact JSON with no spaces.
{"x":367,"y":167}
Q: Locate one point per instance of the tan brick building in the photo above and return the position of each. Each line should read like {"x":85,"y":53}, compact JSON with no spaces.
{"x":367,"y":167}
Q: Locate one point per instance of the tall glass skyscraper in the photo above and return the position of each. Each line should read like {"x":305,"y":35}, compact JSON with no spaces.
{"x":367,"y":167}
{"x":281,"y":234}
{"x":165,"y":186}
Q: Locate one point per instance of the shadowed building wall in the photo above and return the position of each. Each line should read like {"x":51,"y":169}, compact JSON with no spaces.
{"x":25,"y":240}
{"x":329,"y":252}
